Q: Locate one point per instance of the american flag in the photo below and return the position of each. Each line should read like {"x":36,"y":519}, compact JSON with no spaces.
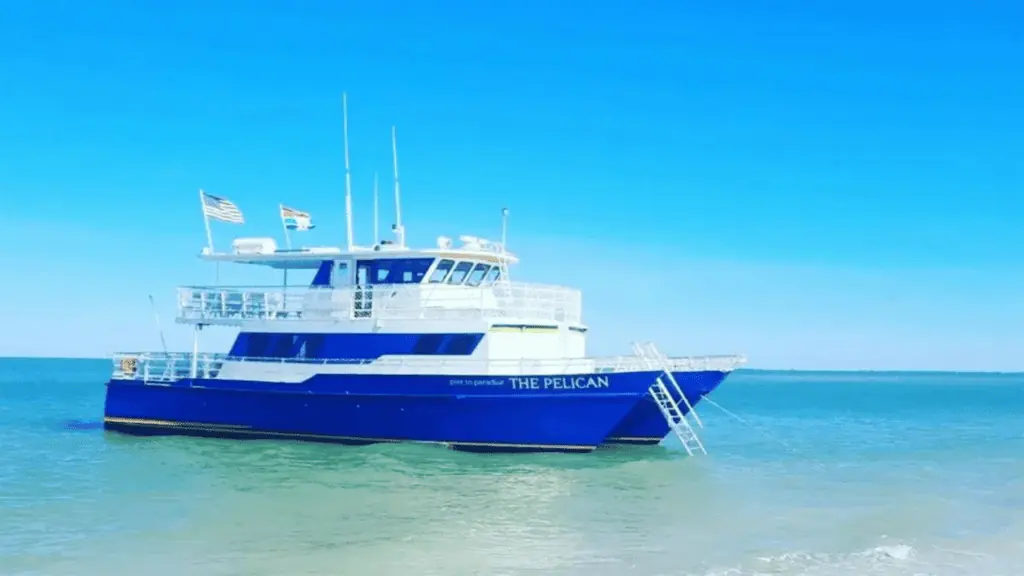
{"x":221,"y":209}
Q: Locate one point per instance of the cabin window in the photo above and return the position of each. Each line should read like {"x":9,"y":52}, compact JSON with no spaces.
{"x":396,"y":270}
{"x":410,"y":271}
{"x":462,"y":344}
{"x":280,"y":346}
{"x":258,"y":345}
{"x":477,"y":275}
{"x":341,"y":274}
{"x":492,"y":275}
{"x":314,"y":346}
{"x":299,"y":348}
{"x":428,"y":344}
{"x":441,"y":271}
{"x":459,"y":274}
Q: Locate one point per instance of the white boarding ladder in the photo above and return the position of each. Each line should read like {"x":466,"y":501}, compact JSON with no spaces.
{"x":674,"y":415}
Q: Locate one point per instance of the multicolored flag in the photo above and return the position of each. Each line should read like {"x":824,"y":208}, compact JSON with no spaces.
{"x":296,"y":219}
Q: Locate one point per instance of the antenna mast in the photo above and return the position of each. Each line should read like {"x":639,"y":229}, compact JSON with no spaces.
{"x":376,"y":233}
{"x":348,"y":175}
{"x":503,"y":266}
{"x":399,"y":230}
{"x":159,"y":329}
{"x":504,"y":228}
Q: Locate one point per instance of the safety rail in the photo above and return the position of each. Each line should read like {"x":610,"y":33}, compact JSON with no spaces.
{"x":713,"y":363}
{"x":171,"y":366}
{"x":165,"y":366}
{"x":512,"y":300}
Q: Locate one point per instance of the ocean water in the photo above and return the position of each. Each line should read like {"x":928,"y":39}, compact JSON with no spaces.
{"x":827,"y":473}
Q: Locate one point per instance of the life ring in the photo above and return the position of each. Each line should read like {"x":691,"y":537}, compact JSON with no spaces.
{"x":128,"y":366}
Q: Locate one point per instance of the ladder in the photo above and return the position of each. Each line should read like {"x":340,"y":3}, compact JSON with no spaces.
{"x":675,"y":417}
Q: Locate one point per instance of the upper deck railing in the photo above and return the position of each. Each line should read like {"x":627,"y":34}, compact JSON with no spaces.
{"x":518,"y":301}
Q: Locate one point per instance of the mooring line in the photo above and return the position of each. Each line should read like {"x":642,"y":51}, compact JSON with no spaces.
{"x":756,"y":428}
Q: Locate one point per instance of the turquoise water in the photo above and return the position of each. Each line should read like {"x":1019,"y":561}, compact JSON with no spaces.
{"x":831,"y":473}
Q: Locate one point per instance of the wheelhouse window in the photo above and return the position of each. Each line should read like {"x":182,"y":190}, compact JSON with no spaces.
{"x":477,"y":275}
{"x":492,"y":275}
{"x":441,"y":271}
{"x":460,"y":272}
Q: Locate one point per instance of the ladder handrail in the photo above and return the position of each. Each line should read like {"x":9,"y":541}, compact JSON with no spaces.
{"x":676,"y":419}
{"x":669,"y":408}
{"x":653,"y":358}
{"x":663,"y":361}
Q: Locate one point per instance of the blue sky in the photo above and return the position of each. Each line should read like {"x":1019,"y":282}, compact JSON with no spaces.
{"x":814,"y":184}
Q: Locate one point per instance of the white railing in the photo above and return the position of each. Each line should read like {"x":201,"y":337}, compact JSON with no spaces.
{"x":165,"y":366}
{"x":714,"y":363}
{"x":169,"y":367}
{"x":519,"y":301}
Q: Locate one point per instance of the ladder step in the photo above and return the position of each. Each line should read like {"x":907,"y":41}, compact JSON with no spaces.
{"x":670,"y":410}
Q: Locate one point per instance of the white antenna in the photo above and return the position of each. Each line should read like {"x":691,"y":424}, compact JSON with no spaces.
{"x":159,"y":329}
{"x":376,"y":232}
{"x":348,"y":176}
{"x":504,"y":239}
{"x":504,"y":228}
{"x":399,"y":230}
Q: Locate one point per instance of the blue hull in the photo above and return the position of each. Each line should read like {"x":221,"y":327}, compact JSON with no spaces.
{"x":645,"y":425}
{"x":571,"y":413}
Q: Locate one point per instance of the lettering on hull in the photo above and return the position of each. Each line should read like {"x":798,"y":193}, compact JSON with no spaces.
{"x":476,"y":382}
{"x":539,"y":382}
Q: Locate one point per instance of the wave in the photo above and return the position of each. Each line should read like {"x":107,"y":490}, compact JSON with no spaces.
{"x":885,"y":559}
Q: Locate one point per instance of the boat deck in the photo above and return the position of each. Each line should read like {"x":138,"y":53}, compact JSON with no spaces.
{"x":171,"y":367}
{"x":232,"y":306}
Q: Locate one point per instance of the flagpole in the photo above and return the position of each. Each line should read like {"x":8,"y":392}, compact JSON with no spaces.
{"x":287,"y":239}
{"x":376,"y":227}
{"x":206,"y":221}
{"x":209,"y":238}
{"x":287,"y":236}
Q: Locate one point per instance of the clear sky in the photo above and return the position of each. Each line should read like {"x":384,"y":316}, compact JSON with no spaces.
{"x":815,"y":184}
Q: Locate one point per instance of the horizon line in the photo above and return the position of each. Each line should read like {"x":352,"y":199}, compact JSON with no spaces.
{"x":742,"y":369}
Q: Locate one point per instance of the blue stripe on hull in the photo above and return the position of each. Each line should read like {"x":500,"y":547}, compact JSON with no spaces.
{"x":645,"y":425}
{"x":360,"y":409}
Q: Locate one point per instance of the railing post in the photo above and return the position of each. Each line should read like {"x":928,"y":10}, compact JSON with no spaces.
{"x":195,"y":350}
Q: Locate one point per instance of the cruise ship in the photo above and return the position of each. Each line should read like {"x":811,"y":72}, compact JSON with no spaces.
{"x":393,"y":343}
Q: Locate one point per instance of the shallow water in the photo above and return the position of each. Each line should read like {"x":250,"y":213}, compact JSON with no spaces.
{"x":851,"y":473}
